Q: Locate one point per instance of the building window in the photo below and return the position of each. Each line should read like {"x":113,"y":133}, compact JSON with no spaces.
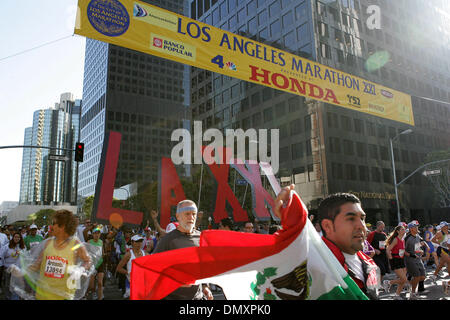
{"x":361,"y":150}
{"x":332,"y":119}
{"x":275,"y":29}
{"x":346,"y":123}
{"x":350,"y":172}
{"x":308,"y":147}
{"x":267,"y":93}
{"x":359,"y":126}
{"x":288,"y":20}
{"x":297,"y":151}
{"x":274,"y":8}
{"x":256,"y":119}
{"x":376,"y":174}
{"x":322,"y":29}
{"x":295,"y":127}
{"x":268,"y":115}
{"x":335,"y":145}
{"x":373,"y":151}
{"x":280,"y":109}
{"x":384,"y":155}
{"x":363,"y":173}
{"x":325,"y":51}
{"x":256,"y":99}
{"x":336,"y":170}
{"x":348,"y":148}
{"x":387,"y":176}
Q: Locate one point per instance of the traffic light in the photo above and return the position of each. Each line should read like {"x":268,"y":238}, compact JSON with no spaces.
{"x":393,"y":204}
{"x":79,"y":151}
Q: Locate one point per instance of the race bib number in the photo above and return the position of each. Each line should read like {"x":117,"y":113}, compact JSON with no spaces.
{"x":34,"y":244}
{"x":401,"y":252}
{"x":382,"y":244}
{"x":417,"y":247}
{"x":55,"y":267}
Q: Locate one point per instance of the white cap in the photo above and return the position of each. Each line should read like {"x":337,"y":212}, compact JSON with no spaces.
{"x":33,"y":226}
{"x":136,"y":238}
{"x":170,"y":227}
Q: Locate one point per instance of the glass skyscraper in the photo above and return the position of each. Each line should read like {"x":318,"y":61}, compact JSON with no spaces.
{"x":141,"y":96}
{"x":45,"y":181}
{"x":325,"y":148}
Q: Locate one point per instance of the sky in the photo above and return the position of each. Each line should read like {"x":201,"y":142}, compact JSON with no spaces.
{"x":35,"y":79}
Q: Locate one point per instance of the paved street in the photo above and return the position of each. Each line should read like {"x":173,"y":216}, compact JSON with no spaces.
{"x":112,"y":292}
{"x":435,"y":290}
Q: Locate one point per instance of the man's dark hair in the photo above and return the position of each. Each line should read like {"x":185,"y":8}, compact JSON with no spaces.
{"x":227,"y":222}
{"x":329,"y":207}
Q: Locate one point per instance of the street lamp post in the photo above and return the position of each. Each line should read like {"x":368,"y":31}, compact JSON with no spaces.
{"x":407,"y":131}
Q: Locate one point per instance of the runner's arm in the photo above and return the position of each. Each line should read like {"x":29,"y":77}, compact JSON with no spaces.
{"x":389,"y":248}
{"x":437,"y":237}
{"x":83,"y":255}
{"x":120,"y":267}
{"x":154,"y":215}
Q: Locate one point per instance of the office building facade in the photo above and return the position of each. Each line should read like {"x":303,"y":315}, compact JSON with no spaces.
{"x":324,"y":148}
{"x":141,"y":96}
{"x":45,"y":181}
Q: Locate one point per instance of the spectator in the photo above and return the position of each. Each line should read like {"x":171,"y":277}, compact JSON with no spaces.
{"x":99,"y":267}
{"x":109,"y":260}
{"x":33,"y":239}
{"x":148,"y":243}
{"x":226,"y":224}
{"x":377,"y":239}
{"x":413,"y":261}
{"x":248,"y":227}
{"x":80,"y":228}
{"x":264,"y":229}
{"x":342,"y":221}
{"x":395,"y":251}
{"x":122,"y":244}
{"x":184,"y":236}
{"x":318,"y":228}
{"x":135,"y":252}
{"x":10,"y":256}
{"x":3,"y":242}
{"x":274,"y":228}
{"x":368,"y":249}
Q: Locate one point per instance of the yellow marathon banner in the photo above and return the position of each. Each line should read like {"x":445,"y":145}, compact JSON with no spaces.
{"x":142,"y":27}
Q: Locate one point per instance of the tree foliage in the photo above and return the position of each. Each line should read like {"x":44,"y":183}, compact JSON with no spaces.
{"x":440,"y":181}
{"x":42,"y":217}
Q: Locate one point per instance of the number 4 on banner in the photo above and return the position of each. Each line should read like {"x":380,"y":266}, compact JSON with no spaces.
{"x":218,"y":60}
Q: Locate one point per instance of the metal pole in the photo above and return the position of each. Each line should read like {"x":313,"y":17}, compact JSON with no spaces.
{"x":200,"y":188}
{"x":245,"y":193}
{"x":395,"y":180}
{"x":39,"y":147}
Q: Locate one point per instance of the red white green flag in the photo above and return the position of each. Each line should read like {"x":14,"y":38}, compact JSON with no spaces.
{"x":294,"y":263}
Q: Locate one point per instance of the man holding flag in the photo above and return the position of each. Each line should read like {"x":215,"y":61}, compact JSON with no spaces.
{"x":184,"y":236}
{"x":342,"y":221}
{"x":292,"y":264}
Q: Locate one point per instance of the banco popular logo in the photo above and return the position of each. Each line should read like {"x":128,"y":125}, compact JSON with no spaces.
{"x":109,"y":17}
{"x":157,"y":42}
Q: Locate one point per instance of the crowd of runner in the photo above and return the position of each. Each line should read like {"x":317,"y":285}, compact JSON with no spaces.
{"x":396,"y":252}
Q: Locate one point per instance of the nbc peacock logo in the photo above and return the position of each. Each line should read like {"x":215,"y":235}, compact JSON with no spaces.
{"x":230,"y":65}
